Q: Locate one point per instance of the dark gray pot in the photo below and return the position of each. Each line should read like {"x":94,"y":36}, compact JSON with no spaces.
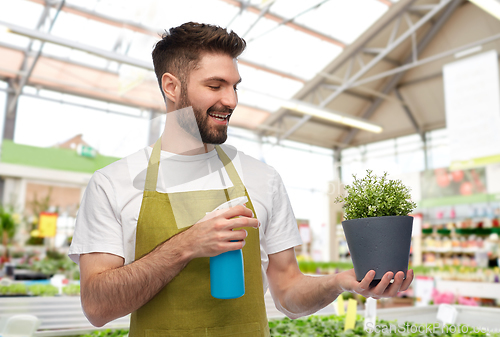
{"x":379,"y":243}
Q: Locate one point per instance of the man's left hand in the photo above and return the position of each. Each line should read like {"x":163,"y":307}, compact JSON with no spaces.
{"x":347,"y":282}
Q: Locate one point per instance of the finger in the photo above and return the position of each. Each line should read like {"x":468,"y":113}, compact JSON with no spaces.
{"x":379,"y":290}
{"x":234,"y":245}
{"x":237,"y":211}
{"x":365,"y":282}
{"x":243,"y":222}
{"x":239,"y":234}
{"x":393,"y":288}
{"x":407,"y":282}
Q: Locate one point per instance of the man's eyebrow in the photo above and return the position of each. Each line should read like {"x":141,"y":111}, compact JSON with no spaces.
{"x":220,"y":79}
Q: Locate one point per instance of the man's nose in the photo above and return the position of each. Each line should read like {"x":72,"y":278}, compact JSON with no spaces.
{"x":230,"y":98}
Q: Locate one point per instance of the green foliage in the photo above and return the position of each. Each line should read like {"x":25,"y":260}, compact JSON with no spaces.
{"x":314,"y":267}
{"x":375,"y":196}
{"x":13,"y":289}
{"x":333,"y":326}
{"x":59,"y":265}
{"x":107,"y":333}
{"x":43,"y":290}
{"x":7,"y":223}
{"x":71,"y":290}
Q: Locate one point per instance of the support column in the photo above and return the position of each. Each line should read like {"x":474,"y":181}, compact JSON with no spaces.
{"x":335,"y":210}
{"x":9,"y":124}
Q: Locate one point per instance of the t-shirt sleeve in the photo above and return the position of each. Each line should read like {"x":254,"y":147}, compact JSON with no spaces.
{"x":282,"y":232}
{"x":97,"y":227}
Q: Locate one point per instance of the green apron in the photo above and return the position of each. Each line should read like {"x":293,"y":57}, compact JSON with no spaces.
{"x":185,"y":307}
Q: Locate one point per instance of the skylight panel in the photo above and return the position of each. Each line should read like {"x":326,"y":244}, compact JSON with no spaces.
{"x":258,"y":88}
{"x":85,"y":31}
{"x":13,"y":39}
{"x":21,"y":13}
{"x":291,"y":8}
{"x":291,"y":51}
{"x":141,"y":46}
{"x":56,"y":50}
{"x":168,"y":14}
{"x":344,"y":20}
{"x":86,"y":58}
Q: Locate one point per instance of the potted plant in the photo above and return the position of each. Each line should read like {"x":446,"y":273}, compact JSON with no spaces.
{"x":376,"y":224}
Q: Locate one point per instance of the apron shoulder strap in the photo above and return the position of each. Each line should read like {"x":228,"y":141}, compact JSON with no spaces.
{"x":228,"y":165}
{"x":153,"y":165}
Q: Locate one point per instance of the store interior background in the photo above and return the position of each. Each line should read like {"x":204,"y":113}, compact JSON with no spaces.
{"x":89,"y":97}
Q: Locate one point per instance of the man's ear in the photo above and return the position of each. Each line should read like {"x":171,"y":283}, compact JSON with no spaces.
{"x":171,"y":87}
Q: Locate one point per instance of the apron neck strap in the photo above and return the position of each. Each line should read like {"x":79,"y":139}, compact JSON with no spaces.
{"x":228,"y":165}
{"x":154,"y":164}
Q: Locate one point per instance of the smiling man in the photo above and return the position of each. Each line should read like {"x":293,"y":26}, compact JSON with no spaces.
{"x":142,"y":239}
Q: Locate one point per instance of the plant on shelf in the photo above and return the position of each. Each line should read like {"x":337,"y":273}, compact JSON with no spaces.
{"x":377,"y":226}
{"x":56,"y":263}
{"x":43,"y":290}
{"x":14,"y":289}
{"x":8,"y":225}
{"x":37,"y":205}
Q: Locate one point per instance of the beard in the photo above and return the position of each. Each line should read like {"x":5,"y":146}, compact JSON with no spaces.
{"x":209,"y":135}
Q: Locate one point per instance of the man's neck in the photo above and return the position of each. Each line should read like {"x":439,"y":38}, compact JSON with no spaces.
{"x":177,"y":140}
{"x":185,"y":149}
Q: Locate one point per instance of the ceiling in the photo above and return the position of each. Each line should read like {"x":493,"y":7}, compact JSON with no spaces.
{"x":392,"y":74}
{"x":376,"y":60}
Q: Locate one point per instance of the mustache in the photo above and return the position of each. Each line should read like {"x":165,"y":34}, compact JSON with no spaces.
{"x":221,"y":109}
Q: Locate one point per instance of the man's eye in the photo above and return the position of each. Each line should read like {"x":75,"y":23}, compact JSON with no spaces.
{"x":215,"y":88}
{"x":235,"y":89}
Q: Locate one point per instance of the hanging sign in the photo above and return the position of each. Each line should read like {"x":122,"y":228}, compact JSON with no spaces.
{"x":86,"y":151}
{"x":472,"y":104}
{"x":47,"y":225}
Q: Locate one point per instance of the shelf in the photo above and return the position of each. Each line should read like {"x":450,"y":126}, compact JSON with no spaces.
{"x":463,"y":231}
{"x":453,"y":250}
{"x":471,"y":289}
{"x":444,"y":231}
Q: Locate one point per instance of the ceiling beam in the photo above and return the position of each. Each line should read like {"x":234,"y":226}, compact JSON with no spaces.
{"x":410,"y":115}
{"x":351,"y":51}
{"x":426,"y":60}
{"x":393,"y":82}
{"x":279,"y":19}
{"x":46,"y":37}
{"x":96,"y":16}
{"x":133,"y":26}
{"x":390,"y":46}
{"x":29,"y":70}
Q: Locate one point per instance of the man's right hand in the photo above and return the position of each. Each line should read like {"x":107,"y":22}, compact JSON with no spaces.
{"x":110,"y":289}
{"x":216,"y":234}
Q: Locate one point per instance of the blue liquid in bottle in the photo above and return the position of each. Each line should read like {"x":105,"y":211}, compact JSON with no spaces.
{"x":227,"y":277}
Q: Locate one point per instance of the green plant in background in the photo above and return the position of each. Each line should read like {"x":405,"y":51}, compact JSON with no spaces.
{"x":107,"y":333}
{"x":314,"y":267}
{"x":375,"y":196}
{"x":13,"y":289}
{"x":38,"y":206}
{"x":71,"y":290}
{"x":333,"y":326}
{"x":8,"y":225}
{"x":56,"y":263}
{"x":43,"y":290}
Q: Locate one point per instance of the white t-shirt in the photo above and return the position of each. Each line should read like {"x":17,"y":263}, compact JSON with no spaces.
{"x":107,"y":218}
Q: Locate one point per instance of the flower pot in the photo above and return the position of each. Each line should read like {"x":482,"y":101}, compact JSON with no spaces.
{"x":379,"y":243}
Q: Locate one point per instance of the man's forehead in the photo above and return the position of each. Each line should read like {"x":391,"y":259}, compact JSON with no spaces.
{"x":217,"y":67}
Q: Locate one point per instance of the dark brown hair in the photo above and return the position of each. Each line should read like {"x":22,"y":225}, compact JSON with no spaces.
{"x":180,"y":49}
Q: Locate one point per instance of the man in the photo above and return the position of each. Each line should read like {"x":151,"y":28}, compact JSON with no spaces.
{"x":143,"y":241}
